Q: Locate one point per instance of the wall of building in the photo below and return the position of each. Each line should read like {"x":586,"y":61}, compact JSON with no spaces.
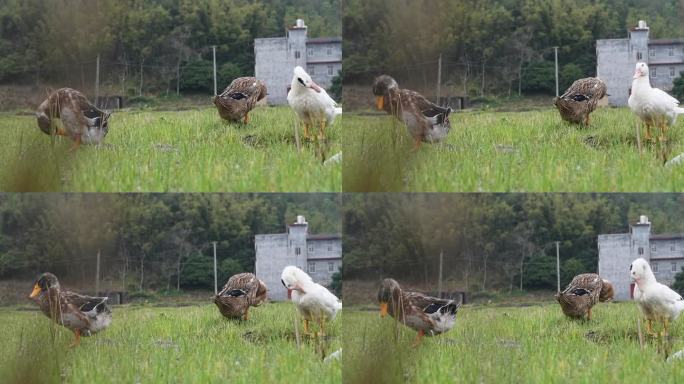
{"x":274,"y":67}
{"x":272,"y":255}
{"x":615,"y":257}
{"x":615,"y":66}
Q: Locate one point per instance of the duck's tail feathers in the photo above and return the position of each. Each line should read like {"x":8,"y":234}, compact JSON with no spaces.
{"x":679,"y":110}
{"x":679,"y":305}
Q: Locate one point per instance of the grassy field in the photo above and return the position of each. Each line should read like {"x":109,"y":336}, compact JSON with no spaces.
{"x":531,"y":151}
{"x":184,"y":151}
{"x":168,"y":345}
{"x":533,"y":344}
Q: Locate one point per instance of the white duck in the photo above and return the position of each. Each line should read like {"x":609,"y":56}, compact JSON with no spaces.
{"x":311,"y":102}
{"x":653,"y":106}
{"x":657,"y":301}
{"x":314,"y":302}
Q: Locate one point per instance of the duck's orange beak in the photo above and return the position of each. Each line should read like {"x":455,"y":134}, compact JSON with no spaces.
{"x":289,"y":294}
{"x":36,"y":291}
{"x":315,"y":87}
{"x":380,"y":102}
{"x":383,"y":309}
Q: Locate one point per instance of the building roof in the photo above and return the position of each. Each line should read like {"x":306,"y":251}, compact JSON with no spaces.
{"x":668,"y":236}
{"x":666,"y":41}
{"x":324,"y":236}
{"x":324,"y":40}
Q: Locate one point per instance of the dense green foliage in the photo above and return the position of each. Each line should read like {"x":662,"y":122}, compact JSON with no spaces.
{"x":145,"y":240}
{"x":503,"y":37}
{"x":678,"y":87}
{"x":57,"y":41}
{"x":485,"y":237}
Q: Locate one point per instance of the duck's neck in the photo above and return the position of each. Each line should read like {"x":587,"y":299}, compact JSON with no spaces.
{"x":647,"y":279}
{"x":641,"y":82}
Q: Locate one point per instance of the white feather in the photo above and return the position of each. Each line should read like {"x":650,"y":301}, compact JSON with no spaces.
{"x":655,"y":300}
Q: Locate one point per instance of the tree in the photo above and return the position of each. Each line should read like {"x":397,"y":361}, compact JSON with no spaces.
{"x":678,"y":87}
{"x":678,"y":284}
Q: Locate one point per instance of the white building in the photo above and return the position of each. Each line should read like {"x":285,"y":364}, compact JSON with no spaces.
{"x":320,"y":255}
{"x":617,"y":58}
{"x":276,"y":57}
{"x":665,"y":252}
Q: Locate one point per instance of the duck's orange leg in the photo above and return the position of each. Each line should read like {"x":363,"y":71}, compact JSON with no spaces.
{"x":60,"y":131}
{"x":417,"y":142}
{"x":419,"y":338}
{"x":648,"y":131}
{"x":77,"y":340}
{"x":589,"y":314}
{"x":306,"y":131}
{"x":321,"y":132}
{"x":246,"y":120}
{"x":246,"y":315}
{"x":76,"y":145}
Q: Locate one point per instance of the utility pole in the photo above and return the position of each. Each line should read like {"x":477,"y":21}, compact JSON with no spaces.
{"x":215,"y":278}
{"x":558,"y":265}
{"x":555,"y":54}
{"x":441,"y":262}
{"x":439,"y":80}
{"x":213,"y":48}
{"x":97,"y":272}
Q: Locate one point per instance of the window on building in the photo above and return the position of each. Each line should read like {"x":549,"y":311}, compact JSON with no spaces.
{"x":311,"y":248}
{"x":330,"y":70}
{"x":641,"y":250}
{"x":670,"y":51}
{"x":674,"y":267}
{"x":312,"y":267}
{"x":297,"y":55}
{"x":290,"y":243}
{"x":639,"y":56}
{"x":329,"y":51}
{"x":298,"y":251}
{"x":311,"y":69}
{"x":311,"y":51}
{"x":329,"y":248}
{"x":672,"y":71}
{"x":654,"y":248}
{"x":651,"y":52}
{"x":672,"y":247}
{"x":654,"y":267}
{"x":654,"y":72}
{"x":331,"y":267}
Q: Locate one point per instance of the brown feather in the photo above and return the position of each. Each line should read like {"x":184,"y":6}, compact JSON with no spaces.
{"x":583,"y":292}
{"x":255,"y":293}
{"x":580,"y":99}
{"x":248,"y":89}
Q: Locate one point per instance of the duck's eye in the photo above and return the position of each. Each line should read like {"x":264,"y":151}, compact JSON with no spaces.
{"x":281,"y":280}
{"x":301,"y":81}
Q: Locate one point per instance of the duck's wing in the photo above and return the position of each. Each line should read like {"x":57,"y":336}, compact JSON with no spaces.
{"x":242,"y":284}
{"x":428,"y":304}
{"x":664,"y":98}
{"x":86,"y":303}
{"x":590,"y":88}
{"x":586,"y":283}
{"x":421,"y":104}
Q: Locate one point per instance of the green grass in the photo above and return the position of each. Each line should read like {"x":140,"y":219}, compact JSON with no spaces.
{"x":535,"y":344}
{"x":532,"y":151}
{"x":171,"y":151}
{"x":168,"y":345}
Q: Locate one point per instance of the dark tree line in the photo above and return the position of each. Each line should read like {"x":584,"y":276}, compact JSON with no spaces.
{"x":146,"y":241}
{"x":491,"y":47}
{"x":144,"y":45}
{"x":491,"y":241}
